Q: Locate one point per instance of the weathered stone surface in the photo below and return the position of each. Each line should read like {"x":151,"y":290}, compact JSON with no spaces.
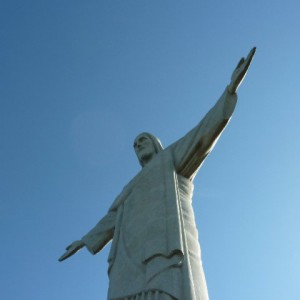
{"x":155,"y":251}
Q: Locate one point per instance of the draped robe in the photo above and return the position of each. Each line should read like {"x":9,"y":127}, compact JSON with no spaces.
{"x":155,"y":253}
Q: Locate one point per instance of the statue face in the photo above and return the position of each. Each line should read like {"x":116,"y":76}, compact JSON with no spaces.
{"x":144,"y":148}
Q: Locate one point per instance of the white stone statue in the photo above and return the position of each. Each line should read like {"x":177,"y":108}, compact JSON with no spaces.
{"x":155,"y":253}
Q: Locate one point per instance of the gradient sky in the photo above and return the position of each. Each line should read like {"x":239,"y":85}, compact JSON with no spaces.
{"x":80,"y":79}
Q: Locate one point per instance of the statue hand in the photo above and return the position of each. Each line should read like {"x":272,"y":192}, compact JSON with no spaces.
{"x":72,"y":249}
{"x":240,"y":72}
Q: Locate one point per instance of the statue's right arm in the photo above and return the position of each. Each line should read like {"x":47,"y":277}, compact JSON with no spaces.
{"x":101,"y":234}
{"x":96,"y":238}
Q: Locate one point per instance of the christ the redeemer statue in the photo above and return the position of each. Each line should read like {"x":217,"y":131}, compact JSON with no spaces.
{"x":155,"y":253}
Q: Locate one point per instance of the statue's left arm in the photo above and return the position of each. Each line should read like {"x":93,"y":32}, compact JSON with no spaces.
{"x":191,"y":150}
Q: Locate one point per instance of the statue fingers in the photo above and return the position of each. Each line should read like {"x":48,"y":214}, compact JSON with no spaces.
{"x":252,"y":52}
{"x":240,"y":62}
{"x":250,"y":57}
{"x":69,"y":247}
{"x":64,"y":256}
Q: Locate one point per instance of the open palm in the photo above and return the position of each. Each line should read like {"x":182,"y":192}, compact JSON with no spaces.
{"x":240,"y":71}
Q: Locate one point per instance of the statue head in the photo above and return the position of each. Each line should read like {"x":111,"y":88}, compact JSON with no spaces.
{"x":146,"y":146}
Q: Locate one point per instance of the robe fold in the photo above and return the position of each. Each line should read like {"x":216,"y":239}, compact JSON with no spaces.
{"x":155,"y":249}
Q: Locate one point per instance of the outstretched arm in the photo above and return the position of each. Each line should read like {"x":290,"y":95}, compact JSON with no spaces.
{"x":191,"y":150}
{"x":95,"y":239}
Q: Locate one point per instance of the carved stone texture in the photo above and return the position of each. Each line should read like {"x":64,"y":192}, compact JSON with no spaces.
{"x":155,"y":253}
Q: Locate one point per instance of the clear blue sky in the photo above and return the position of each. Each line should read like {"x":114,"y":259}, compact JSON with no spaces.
{"x":80,"y":79}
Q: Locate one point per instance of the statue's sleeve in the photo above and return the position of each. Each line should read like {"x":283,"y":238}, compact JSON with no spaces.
{"x":104,"y":230}
{"x":101,"y":234}
{"x":190,"y":151}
